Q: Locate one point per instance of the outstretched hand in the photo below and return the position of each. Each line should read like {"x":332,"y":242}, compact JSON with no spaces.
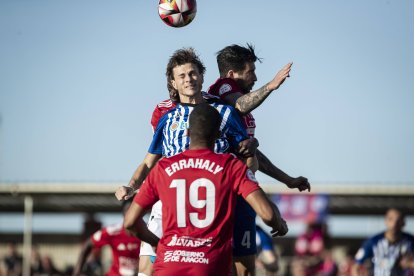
{"x":301,"y":183}
{"x":280,"y":77}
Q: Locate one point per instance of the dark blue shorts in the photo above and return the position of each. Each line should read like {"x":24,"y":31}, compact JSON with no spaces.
{"x":244,"y":233}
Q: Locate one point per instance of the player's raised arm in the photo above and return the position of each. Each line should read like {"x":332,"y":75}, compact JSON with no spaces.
{"x":125,"y":192}
{"x":268,"y":211}
{"x":237,"y":78}
{"x":248,"y":102}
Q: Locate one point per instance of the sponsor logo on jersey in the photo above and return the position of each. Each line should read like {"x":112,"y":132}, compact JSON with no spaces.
{"x":224,"y":88}
{"x":250,"y":175}
{"x":179,"y":126}
{"x":189,"y":241}
{"x":182,"y":256}
{"x":132,"y":246}
{"x":127,"y":266}
{"x":121,"y":247}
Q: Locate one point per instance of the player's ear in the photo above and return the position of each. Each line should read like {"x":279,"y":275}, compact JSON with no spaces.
{"x":230,"y":74}
{"x":174,"y":84}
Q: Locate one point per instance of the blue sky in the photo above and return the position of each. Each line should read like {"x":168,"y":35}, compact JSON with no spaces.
{"x":79,"y":80}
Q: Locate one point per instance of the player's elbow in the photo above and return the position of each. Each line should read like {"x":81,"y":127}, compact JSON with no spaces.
{"x":241,"y":109}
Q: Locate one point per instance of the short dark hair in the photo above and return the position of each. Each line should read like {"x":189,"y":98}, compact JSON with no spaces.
{"x":181,"y":57}
{"x":204,"y":123}
{"x":235,"y":57}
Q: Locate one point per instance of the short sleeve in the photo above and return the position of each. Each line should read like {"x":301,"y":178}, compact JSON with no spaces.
{"x":148,"y":193}
{"x":364,"y":252}
{"x":100,"y":238}
{"x":157,"y":138}
{"x":244,"y":180}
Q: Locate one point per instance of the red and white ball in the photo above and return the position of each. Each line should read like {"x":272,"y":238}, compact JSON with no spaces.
{"x":177,"y":13}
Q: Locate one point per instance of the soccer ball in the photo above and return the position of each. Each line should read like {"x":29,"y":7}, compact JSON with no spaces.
{"x":177,"y":13}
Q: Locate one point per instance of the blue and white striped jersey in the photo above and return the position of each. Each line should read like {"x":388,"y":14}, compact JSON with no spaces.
{"x":385,"y":256}
{"x":170,"y":136}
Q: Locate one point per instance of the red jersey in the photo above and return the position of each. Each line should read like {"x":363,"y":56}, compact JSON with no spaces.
{"x":198,"y":190}
{"x":125,"y":249}
{"x":225,"y":86}
{"x":160,"y":110}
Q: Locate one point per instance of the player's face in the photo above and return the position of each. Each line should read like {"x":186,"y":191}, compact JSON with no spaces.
{"x":394,"y":221}
{"x":187,"y":80}
{"x":246,"y":78}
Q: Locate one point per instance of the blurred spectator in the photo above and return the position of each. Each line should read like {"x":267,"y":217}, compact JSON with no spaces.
{"x":345,"y":267}
{"x":312,"y":252}
{"x":388,"y":253}
{"x":125,"y":251}
{"x":90,"y":226}
{"x":266,"y":257}
{"x":35,"y":261}
{"x":48,"y":267}
{"x":13,"y":261}
{"x":407,"y":263}
{"x":93,"y":266}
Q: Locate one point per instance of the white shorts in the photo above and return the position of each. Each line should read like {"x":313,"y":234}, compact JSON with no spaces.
{"x":155,"y":226}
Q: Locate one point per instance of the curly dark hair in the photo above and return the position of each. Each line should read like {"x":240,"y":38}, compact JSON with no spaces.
{"x":180,"y":57}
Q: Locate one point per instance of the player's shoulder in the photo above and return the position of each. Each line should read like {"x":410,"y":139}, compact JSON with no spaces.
{"x":208,"y":96}
{"x":166,"y":161}
{"x":228,"y":157}
{"x":408,"y":236}
{"x":160,"y":110}
{"x":164,"y":106}
{"x":222,"y":106}
{"x":165,"y":103}
{"x":376,"y":238}
{"x":229,"y":81}
{"x":223,"y":86}
{"x":107,"y":232}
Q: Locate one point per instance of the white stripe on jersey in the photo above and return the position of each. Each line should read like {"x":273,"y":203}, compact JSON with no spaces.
{"x":175,"y":135}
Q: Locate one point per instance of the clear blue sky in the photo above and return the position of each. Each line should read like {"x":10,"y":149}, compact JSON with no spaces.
{"x":79,"y":80}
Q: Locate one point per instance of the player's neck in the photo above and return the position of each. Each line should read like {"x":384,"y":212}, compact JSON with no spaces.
{"x":199,"y":146}
{"x":393,"y":237}
{"x":196,"y":99}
